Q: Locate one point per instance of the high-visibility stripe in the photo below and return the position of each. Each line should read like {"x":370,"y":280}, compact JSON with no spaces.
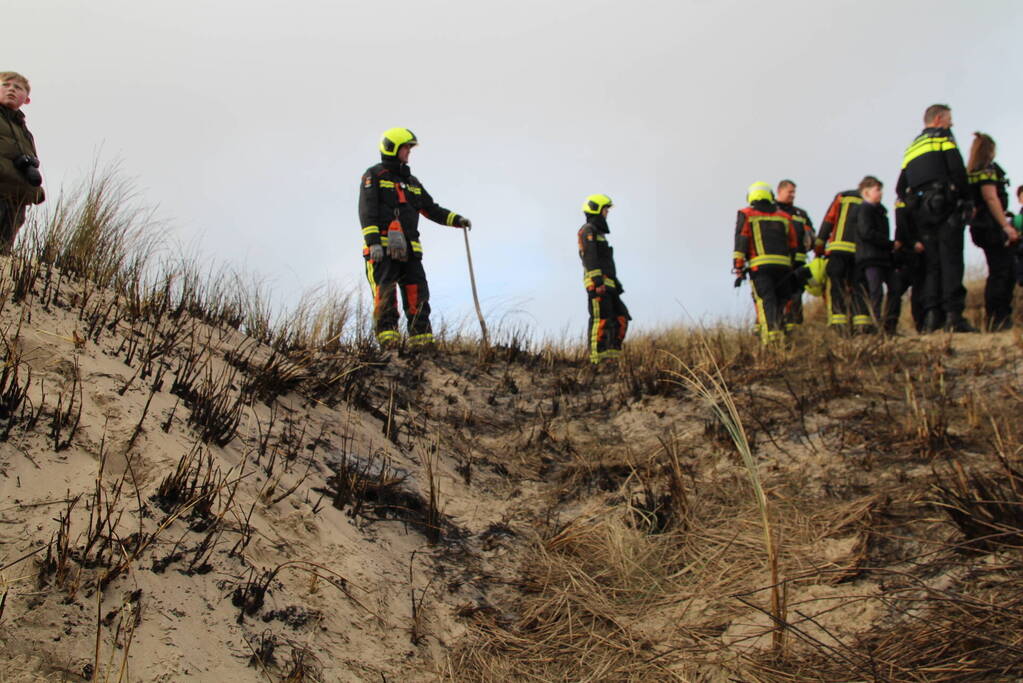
{"x":414,"y":190}
{"x":417,"y":247}
{"x":838,"y":319}
{"x":738,"y":255}
{"x":800,"y":257}
{"x":387,"y":336}
{"x":595,"y":329}
{"x":601,"y":238}
{"x":450,"y":220}
{"x":979,"y":176}
{"x":758,"y":302}
{"x":841,"y":246}
{"x":861,"y":319}
{"x":925,"y":144}
{"x":838,"y":233}
{"x":421,"y":339}
{"x":386,"y":183}
{"x":770,"y":260}
{"x":371,"y":230}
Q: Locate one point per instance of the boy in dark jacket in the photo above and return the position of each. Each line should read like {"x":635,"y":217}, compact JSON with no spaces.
{"x":20,"y":180}
{"x":874,"y":264}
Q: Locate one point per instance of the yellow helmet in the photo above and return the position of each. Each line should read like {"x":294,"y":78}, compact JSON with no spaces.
{"x":596,"y":203}
{"x":759,"y":192}
{"x":393,"y":138}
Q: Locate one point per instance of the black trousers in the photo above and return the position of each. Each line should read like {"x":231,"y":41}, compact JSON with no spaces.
{"x":385,"y":277}
{"x":942,"y":237}
{"x":909,"y":276}
{"x":1000,"y":284}
{"x":609,"y":322}
{"x":772,"y":290}
{"x":840,"y":293}
{"x":881,"y":300}
{"x":12,"y":217}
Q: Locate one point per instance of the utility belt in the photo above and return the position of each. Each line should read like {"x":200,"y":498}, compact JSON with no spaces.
{"x":936,"y":198}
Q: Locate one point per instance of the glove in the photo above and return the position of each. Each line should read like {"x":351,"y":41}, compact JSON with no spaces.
{"x":397,"y":247}
{"x":376,"y":253}
{"x":818,"y":247}
{"x":464,"y":222}
{"x":738,"y":266}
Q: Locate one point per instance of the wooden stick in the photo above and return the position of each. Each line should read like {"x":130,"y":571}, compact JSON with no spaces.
{"x":475,"y":296}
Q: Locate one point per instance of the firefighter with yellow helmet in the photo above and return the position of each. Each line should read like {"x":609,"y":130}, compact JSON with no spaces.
{"x":609,"y":318}
{"x":765,"y":245}
{"x":391,"y":200}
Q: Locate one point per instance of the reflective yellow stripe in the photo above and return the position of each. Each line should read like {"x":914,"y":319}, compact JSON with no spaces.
{"x":924,"y":144}
{"x":414,"y":190}
{"x":862,"y":320}
{"x":420,"y":339}
{"x":450,"y":220}
{"x":738,"y":254}
{"x":386,"y":336}
{"x":800,"y":257}
{"x":386,"y":183}
{"x":595,"y":306}
{"x":978,"y":176}
{"x":417,"y":247}
{"x":840,"y":226}
{"x":771,"y":260}
{"x":371,"y":230}
{"x":758,"y":241}
{"x":899,"y":204}
{"x":842,"y":246}
{"x":601,"y":238}
{"x":608,"y":282}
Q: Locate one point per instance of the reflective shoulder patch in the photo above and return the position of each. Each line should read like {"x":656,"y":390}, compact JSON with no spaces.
{"x":367,"y":181}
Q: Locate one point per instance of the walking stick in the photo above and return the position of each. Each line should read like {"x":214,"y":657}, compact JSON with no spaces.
{"x":475,"y":296}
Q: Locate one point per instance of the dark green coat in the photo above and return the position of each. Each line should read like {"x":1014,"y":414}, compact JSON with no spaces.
{"x":15,"y":140}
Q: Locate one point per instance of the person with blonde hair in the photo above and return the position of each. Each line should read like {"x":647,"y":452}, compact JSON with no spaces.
{"x":20,"y":180}
{"x":991,"y":230}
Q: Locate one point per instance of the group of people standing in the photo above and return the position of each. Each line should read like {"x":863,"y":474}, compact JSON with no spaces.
{"x":860,"y":269}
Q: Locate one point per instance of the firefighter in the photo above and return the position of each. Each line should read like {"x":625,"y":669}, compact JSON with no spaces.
{"x":765,"y":244}
{"x":609,"y":318}
{"x":837,"y":240}
{"x":786,"y":195}
{"x":390,"y":201}
{"x":934,"y":185}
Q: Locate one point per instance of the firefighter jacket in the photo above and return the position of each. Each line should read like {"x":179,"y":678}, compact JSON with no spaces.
{"x":391,"y":198}
{"x":804,"y":229}
{"x":933,"y":159}
{"x":597,"y":255}
{"x":15,"y":141}
{"x":838,"y":229}
{"x":764,"y":236}
{"x":873,"y":243}
{"x":985,"y":229}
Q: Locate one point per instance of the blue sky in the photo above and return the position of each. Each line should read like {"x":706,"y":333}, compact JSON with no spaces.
{"x":249,"y":124}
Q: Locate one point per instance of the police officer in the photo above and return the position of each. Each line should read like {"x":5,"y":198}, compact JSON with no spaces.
{"x":765,"y":243}
{"x":933,"y":183}
{"x":609,"y":318}
{"x":390,"y":202}
{"x":785,"y":196}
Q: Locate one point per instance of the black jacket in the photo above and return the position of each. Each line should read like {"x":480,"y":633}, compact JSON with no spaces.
{"x":390,"y":192}
{"x":804,"y":229}
{"x":16,"y":140}
{"x":873,"y":245}
{"x":933,"y":158}
{"x":597,"y":255}
{"x":985,"y":230}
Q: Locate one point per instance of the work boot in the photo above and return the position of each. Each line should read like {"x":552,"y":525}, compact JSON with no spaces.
{"x":1000,"y":324}
{"x":957,"y":323}
{"x":932,"y":321}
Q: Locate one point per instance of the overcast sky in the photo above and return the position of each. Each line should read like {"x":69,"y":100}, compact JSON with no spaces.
{"x":248,"y":124}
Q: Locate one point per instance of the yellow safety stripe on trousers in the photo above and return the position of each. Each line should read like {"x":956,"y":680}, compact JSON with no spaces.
{"x":861,"y":319}
{"x":371,"y":230}
{"x":979,"y":176}
{"x":758,"y":303}
{"x":829,"y":299}
{"x":450,"y":220}
{"x":421,"y":339}
{"x":771,"y":260}
{"x":386,"y":183}
{"x":387,"y":336}
{"x":924,"y":144}
{"x":594,"y":330}
{"x":369,"y":276}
